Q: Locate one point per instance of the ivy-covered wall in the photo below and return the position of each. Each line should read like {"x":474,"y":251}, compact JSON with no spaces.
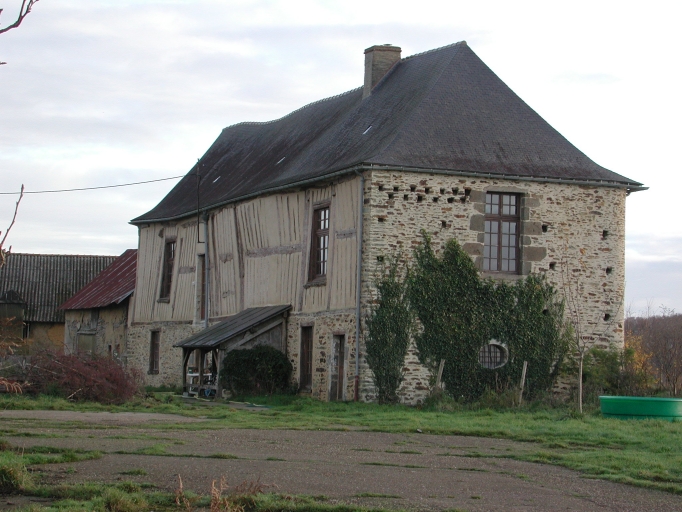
{"x":573,"y":235}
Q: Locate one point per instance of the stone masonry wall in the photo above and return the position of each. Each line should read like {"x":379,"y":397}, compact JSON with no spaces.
{"x":170,"y":357}
{"x":325,"y":326}
{"x":573,"y":234}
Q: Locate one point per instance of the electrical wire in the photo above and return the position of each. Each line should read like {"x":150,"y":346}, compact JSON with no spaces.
{"x":88,"y":188}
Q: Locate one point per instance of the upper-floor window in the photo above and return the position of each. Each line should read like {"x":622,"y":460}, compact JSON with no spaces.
{"x":319,"y":248}
{"x":167,"y":270}
{"x":501,"y":241}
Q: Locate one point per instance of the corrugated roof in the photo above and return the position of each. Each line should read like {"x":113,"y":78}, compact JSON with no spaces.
{"x":45,"y":281}
{"x":112,"y":286}
{"x":440,"y":110}
{"x":232,"y":326}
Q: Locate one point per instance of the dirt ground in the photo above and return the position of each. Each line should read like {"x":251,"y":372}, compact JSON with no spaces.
{"x":405,"y":471}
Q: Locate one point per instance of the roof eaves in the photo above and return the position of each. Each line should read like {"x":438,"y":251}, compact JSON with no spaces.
{"x":271,"y":190}
{"x":630,"y":186}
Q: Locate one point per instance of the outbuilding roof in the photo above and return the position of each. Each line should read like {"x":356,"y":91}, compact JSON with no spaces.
{"x":232,"y":327}
{"x":439,"y":111}
{"x":111,"y":286}
{"x":44,"y":281}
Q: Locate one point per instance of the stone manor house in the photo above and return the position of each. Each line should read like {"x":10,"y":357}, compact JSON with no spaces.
{"x":278,"y":232}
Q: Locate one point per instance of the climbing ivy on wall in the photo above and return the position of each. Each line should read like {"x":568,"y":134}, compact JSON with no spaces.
{"x":458,"y":313}
{"x":390,"y":325}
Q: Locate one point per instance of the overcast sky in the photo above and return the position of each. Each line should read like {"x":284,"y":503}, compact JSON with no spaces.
{"x":99,"y":92}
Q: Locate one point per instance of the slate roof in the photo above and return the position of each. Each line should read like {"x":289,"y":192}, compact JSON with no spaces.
{"x":232,"y":326}
{"x":443,"y":110}
{"x":45,"y":281}
{"x":111,"y":286}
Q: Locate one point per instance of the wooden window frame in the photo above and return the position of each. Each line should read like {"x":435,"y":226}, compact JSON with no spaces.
{"x":305,"y":380}
{"x":319,"y":244}
{"x":169,"y":250}
{"x":154,"y":352}
{"x":494,"y":239}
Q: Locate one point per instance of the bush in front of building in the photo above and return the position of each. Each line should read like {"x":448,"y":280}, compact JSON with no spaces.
{"x":261,"y":370}
{"x":81,"y":377}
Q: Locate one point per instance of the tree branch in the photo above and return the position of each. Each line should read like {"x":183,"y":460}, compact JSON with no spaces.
{"x":3,"y":252}
{"x":26,"y":6}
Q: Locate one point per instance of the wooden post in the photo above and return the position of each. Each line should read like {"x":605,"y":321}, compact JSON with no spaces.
{"x":440,"y":375}
{"x":523,"y":381}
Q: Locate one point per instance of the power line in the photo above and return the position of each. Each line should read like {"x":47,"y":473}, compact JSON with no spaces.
{"x":88,"y":188}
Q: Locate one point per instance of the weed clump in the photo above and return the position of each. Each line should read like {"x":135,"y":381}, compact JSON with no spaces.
{"x":14,"y":477}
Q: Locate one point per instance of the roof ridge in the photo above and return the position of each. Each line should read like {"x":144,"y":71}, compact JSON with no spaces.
{"x":261,"y":123}
{"x":462,"y":43}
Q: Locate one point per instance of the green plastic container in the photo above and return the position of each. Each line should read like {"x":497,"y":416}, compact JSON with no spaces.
{"x":638,"y":407}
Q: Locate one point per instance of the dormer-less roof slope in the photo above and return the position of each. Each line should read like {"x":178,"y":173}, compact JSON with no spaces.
{"x":45,"y":281}
{"x":442,"y":110}
{"x":111,"y":286}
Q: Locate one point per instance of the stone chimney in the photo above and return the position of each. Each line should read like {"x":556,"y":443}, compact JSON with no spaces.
{"x":378,"y":60}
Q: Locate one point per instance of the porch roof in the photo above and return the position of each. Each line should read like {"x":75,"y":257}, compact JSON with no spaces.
{"x":232,"y":326}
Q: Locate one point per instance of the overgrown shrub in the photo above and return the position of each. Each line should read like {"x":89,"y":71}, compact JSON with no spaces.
{"x":615,"y":372}
{"x":259,"y":370}
{"x":389,"y":329}
{"x":82,"y":377}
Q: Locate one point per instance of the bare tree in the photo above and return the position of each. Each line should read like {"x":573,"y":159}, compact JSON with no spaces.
{"x":4,"y":252}
{"x":26,"y":6}
{"x":585,"y":331}
{"x":662,"y":338}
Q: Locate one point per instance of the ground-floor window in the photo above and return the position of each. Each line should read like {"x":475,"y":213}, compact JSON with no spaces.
{"x":85,"y":343}
{"x":154,"y":345}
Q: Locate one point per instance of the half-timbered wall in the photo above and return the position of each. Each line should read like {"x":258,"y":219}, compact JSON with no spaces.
{"x":258,"y":253}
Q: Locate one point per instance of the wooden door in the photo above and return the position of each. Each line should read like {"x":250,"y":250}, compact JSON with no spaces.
{"x":337,"y":377}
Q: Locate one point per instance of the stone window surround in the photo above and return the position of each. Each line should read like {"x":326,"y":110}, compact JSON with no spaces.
{"x":527,"y":252}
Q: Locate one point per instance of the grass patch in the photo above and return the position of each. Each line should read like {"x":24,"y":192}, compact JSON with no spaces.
{"x":222,"y":456}
{"x":134,"y":472}
{"x":635,"y":452}
{"x":377,"y":495}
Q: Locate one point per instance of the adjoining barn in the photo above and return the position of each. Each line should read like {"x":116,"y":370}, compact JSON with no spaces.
{"x":97,"y":316}
{"x":302,"y":211}
{"x":32,"y":286}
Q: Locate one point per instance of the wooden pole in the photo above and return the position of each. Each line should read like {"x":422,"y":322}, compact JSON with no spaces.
{"x":440,"y":375}
{"x":523,"y":381}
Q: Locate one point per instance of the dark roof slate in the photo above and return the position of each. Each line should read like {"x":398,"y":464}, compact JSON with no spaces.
{"x":441,"y":110}
{"x":232,"y":326}
{"x":45,"y":281}
{"x":111,"y":286}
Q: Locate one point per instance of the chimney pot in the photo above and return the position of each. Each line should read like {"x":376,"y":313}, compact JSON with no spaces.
{"x":379,"y":60}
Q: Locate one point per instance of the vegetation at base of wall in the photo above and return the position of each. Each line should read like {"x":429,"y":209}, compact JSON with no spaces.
{"x":389,"y":330}
{"x":259,"y":370}
{"x":459,"y":313}
{"x":81,"y":377}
